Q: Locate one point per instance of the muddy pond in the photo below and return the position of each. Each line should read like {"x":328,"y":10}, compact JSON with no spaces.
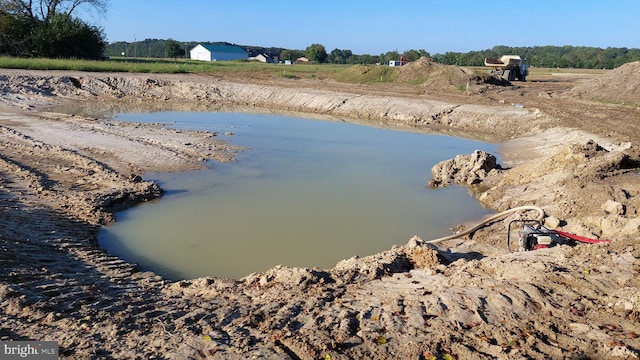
{"x":303,"y":193}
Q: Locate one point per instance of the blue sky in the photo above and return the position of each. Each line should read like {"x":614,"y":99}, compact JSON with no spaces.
{"x":375,"y":27}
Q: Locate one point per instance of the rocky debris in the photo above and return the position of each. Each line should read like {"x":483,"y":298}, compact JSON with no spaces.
{"x":613,"y":207}
{"x":493,"y":80}
{"x":464,"y":169}
{"x":580,"y":169}
{"x":422,"y":255}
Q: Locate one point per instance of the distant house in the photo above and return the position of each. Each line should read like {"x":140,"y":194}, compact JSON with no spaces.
{"x":263,"y":58}
{"x":218,"y":53}
{"x":403,"y":61}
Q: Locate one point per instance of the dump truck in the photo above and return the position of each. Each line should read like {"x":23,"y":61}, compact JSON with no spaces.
{"x":509,"y":67}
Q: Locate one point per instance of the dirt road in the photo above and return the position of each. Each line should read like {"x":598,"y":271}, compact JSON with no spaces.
{"x":62,"y":176}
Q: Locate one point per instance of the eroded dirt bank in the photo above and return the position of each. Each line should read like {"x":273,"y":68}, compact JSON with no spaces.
{"x":62,"y":176}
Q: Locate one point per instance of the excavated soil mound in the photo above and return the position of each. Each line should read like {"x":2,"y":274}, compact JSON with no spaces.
{"x":620,"y":85}
{"x":420,"y":70}
{"x":429,"y":73}
{"x":424,"y":70}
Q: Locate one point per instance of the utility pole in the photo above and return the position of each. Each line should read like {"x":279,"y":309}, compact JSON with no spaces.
{"x":135,"y":46}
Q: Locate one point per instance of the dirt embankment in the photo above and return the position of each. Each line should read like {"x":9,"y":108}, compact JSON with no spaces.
{"x":62,"y":175}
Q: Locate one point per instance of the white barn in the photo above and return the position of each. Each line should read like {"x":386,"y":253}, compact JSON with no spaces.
{"x":218,"y":53}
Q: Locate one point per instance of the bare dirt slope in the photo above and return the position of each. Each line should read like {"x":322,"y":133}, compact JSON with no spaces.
{"x":62,"y":175}
{"x":619,"y":86}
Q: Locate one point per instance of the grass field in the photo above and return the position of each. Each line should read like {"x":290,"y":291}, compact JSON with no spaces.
{"x":343,"y":73}
{"x":169,"y":66}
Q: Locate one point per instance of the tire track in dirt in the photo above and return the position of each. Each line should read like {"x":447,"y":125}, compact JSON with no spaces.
{"x":53,"y":274}
{"x":87,"y":188}
{"x":55,"y":277}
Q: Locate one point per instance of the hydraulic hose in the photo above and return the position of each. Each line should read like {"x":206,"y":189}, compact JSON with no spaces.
{"x":488,"y":220}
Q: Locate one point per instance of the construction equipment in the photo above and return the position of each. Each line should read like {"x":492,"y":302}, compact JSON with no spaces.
{"x":509,"y":67}
{"x":531,"y":237}
{"x":535,"y":236}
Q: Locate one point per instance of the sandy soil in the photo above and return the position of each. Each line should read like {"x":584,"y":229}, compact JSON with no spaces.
{"x":570,"y":146}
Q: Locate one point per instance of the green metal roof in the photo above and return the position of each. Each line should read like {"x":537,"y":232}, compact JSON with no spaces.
{"x":224,"y":48}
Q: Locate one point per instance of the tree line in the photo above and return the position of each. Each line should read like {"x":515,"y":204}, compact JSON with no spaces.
{"x":539,"y":56}
{"x":580,"y":57}
{"x":48,"y":28}
{"x":160,"y":48}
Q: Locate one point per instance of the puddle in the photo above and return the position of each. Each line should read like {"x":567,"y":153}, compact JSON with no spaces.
{"x":304,"y":193}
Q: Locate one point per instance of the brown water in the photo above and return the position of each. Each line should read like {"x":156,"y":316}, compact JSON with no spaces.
{"x":306,"y":193}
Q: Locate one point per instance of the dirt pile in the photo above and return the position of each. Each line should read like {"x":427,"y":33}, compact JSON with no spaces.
{"x":425,"y":73}
{"x":430,"y":74}
{"x":620,"y":86}
{"x":417,"y":72}
{"x":464,"y":170}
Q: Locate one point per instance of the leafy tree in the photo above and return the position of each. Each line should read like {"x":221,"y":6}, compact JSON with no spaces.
{"x":390,"y":55}
{"x":255,"y":50}
{"x":63,"y":36}
{"x":365,"y":59}
{"x":47,"y":9}
{"x":316,"y":52}
{"x":424,"y":53}
{"x":338,"y":56}
{"x":290,"y":54}
{"x":13,"y":30}
{"x":48,"y":28}
{"x":173,"y":49}
{"x":413,"y":55}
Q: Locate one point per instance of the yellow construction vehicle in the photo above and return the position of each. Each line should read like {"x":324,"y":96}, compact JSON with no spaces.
{"x":509,"y":67}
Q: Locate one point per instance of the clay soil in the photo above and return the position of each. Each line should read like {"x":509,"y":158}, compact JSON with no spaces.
{"x":569,"y":144}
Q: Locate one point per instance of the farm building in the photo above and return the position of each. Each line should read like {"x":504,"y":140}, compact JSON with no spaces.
{"x":218,"y":53}
{"x":264,"y":58}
